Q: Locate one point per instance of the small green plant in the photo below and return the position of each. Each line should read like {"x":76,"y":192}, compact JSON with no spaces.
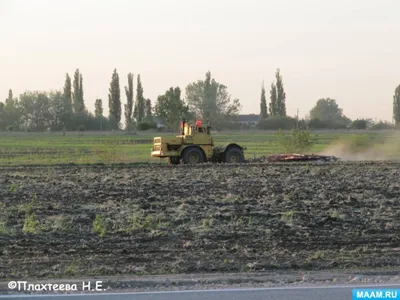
{"x":207,"y":222}
{"x":13,"y":188}
{"x":31,"y":224}
{"x":335,"y":214}
{"x":3,"y":228}
{"x":150,"y":222}
{"x":72,"y":269}
{"x":287,"y":217}
{"x":99,"y":225}
{"x":317,"y":255}
{"x":28,"y":207}
{"x":141,"y":222}
{"x":298,"y":141}
{"x":34,"y":199}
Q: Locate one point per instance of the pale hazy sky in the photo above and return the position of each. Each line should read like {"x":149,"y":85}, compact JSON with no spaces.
{"x":348,"y":50}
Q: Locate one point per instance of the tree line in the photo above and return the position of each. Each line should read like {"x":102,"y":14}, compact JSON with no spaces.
{"x":326,"y":114}
{"x":205,"y":99}
{"x":66,"y":109}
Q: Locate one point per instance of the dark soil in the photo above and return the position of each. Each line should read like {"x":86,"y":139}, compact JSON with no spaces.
{"x":104,"y":221}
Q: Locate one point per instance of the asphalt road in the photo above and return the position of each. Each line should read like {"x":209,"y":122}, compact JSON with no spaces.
{"x":343,"y":292}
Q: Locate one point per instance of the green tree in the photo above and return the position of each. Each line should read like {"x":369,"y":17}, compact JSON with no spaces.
{"x":171,"y":108}
{"x":12,"y":112}
{"x":68,"y":94}
{"x":98,"y":112}
{"x":273,"y":105}
{"x":114,"y":98}
{"x":3,"y":121}
{"x":359,"y":124}
{"x":36,"y":111}
{"x":263,"y":104}
{"x":280,"y":95}
{"x":77,"y":94}
{"x":140,"y":102}
{"x":396,"y":105}
{"x":59,"y":110}
{"x":210,"y":101}
{"x":129,"y":102}
{"x":148,"y":111}
{"x":10,"y":95}
{"x":81,"y":101}
{"x":328,"y":111}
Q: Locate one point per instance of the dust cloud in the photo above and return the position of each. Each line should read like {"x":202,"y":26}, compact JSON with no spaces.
{"x":382,"y":146}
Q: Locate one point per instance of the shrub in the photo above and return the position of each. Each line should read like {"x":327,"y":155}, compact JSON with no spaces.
{"x":359,"y":124}
{"x":143,"y":126}
{"x":99,"y":225}
{"x":276,"y":123}
{"x":297,"y":141}
{"x":382,"y":126}
{"x":322,"y":124}
{"x":287,"y":217}
{"x":31,"y":224}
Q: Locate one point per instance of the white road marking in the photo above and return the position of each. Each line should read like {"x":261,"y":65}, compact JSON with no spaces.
{"x":206,"y":291}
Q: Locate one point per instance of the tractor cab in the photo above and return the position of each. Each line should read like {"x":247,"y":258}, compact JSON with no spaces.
{"x":198,"y":128}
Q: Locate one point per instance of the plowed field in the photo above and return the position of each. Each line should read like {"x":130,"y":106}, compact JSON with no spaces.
{"x":86,"y":221}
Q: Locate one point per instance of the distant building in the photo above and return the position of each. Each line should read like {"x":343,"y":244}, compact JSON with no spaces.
{"x":247,"y":121}
{"x":250,"y":120}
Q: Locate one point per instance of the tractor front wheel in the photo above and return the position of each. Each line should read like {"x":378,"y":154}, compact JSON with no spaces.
{"x":234,"y":155}
{"x":193,"y":156}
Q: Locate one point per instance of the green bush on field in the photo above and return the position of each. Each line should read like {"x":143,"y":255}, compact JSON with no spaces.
{"x":99,"y":225}
{"x":139,"y":221}
{"x":31,"y":224}
{"x":297,"y":141}
{"x":287,"y":217}
{"x":3,"y":228}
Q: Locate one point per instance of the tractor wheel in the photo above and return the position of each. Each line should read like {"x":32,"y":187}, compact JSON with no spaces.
{"x":234,"y":155}
{"x":174,"y":160}
{"x":193,"y":156}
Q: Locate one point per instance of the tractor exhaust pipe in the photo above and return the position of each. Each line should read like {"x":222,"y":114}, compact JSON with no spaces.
{"x":183,"y":127}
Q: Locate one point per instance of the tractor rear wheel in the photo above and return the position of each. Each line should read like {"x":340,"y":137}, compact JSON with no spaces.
{"x":234,"y":155}
{"x":174,"y":160}
{"x":193,"y":156}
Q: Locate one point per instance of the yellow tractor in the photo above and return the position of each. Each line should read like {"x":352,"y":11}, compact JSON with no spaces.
{"x":195,"y":145}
